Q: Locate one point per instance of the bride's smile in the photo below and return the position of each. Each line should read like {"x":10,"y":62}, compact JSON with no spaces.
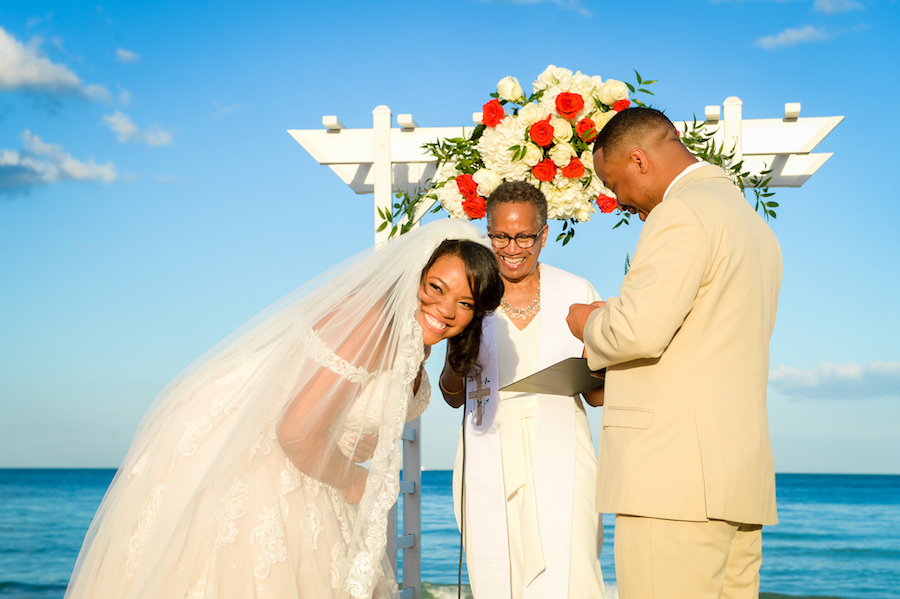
{"x":447,"y":304}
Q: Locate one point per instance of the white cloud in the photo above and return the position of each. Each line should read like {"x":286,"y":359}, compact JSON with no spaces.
{"x":573,"y":5}
{"x":838,"y":381}
{"x":792,"y":37}
{"x":225,"y":110}
{"x":32,"y":22}
{"x":170,"y":179}
{"x":128,"y":132}
{"x":23,"y":67}
{"x":97,"y":92}
{"x":833,"y":7}
{"x":155,"y":136}
{"x":40,"y":163}
{"x":126,"y":56}
{"x":122,"y":125}
{"x":124,"y":97}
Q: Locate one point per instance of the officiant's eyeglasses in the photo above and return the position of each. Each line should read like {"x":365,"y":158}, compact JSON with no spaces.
{"x":523,"y":240}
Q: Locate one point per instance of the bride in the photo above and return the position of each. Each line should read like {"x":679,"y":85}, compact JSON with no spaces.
{"x":246,"y":476}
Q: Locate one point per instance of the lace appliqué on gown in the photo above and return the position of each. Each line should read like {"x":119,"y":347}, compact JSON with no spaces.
{"x":272,"y":528}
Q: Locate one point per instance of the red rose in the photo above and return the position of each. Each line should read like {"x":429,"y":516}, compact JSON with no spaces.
{"x":492,"y":113}
{"x":586,"y":130}
{"x":542,"y":133}
{"x":544,"y":170}
{"x":474,"y":207}
{"x":621,"y":105}
{"x":568,"y":105}
{"x":606,"y":203}
{"x":573,"y":170}
{"x":467,"y":186}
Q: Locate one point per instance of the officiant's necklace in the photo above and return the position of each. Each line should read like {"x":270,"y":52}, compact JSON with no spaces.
{"x":528,"y":311}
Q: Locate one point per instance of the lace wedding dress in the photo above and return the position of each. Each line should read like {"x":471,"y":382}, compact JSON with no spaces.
{"x":208,"y":503}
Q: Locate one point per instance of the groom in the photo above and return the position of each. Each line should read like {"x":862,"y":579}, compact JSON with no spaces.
{"x":685,"y":460}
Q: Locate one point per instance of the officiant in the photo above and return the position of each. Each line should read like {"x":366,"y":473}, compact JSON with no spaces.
{"x":524,"y":475}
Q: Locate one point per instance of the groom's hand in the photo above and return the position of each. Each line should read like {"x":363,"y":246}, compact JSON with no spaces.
{"x":578,"y":316}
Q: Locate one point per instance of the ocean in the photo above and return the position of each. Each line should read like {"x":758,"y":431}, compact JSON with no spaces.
{"x":839,"y":535}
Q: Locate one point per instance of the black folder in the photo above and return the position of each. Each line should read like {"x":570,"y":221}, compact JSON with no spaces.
{"x":569,"y":377}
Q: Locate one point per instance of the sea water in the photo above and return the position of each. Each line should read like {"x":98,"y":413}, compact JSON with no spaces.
{"x":838,"y":536}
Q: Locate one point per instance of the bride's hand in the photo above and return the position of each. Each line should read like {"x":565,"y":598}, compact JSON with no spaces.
{"x":353,"y":490}
{"x":364,"y":448}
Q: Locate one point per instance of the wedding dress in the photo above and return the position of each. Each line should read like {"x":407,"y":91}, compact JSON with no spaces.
{"x":207,"y":503}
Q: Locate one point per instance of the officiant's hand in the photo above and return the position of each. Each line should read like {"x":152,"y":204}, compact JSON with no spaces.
{"x":578,"y":316}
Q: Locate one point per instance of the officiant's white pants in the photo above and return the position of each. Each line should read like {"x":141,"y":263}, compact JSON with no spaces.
{"x":585,"y":576}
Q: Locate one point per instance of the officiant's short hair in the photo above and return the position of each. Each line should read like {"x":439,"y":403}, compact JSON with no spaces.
{"x":518,"y":192}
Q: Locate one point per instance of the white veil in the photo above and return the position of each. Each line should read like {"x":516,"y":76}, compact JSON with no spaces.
{"x":207,"y":502}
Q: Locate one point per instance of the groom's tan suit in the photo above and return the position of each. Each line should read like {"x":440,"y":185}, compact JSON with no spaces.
{"x":685,"y":429}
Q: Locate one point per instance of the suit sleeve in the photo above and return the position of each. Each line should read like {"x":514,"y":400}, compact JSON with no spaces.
{"x":657,"y":293}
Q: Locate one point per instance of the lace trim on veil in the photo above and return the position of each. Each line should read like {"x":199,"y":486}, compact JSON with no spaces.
{"x":324,"y":355}
{"x":384,"y":479}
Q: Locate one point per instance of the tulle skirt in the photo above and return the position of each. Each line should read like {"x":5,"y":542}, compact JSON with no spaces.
{"x":271,"y":532}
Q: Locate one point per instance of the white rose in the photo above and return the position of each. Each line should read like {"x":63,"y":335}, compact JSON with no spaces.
{"x":487,"y":181}
{"x":583,"y":214}
{"x":601,"y":118}
{"x":587,"y":159}
{"x":613,"y":91}
{"x":509,"y":89}
{"x":561,"y":154}
{"x":533,"y":154}
{"x":531,"y":113}
{"x":562,"y":129}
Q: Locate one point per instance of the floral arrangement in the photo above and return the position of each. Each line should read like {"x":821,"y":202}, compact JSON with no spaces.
{"x":544,"y":140}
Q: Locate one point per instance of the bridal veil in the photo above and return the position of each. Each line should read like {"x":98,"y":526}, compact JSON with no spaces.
{"x":207,"y":504}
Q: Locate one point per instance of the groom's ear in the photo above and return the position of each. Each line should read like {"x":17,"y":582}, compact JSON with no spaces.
{"x":638,"y":160}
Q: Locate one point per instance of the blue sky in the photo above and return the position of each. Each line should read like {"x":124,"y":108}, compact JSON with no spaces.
{"x":151,"y":200}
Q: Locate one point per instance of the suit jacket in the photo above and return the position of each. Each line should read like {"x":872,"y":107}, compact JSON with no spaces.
{"x":685,"y":433}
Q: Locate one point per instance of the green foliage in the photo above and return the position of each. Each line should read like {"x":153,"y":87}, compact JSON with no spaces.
{"x":402,"y":217}
{"x":704,"y":146}
{"x":640,"y":89}
{"x":460,"y":150}
{"x":568,"y":231}
{"x":625,"y":220}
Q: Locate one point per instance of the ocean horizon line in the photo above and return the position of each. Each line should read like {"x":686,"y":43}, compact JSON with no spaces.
{"x":448,"y":470}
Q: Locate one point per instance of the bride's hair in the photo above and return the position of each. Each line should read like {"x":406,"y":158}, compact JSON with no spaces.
{"x":483,"y":275}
